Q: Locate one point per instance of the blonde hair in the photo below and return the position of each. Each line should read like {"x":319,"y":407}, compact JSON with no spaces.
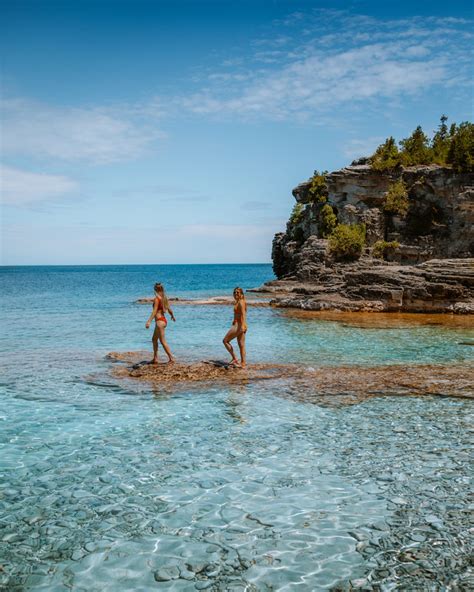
{"x":240,"y":291}
{"x":159,"y":289}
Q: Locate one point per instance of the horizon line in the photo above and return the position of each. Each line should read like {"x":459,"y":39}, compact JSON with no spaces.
{"x":123,"y":264}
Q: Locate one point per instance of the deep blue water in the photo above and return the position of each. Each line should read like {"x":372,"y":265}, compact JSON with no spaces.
{"x":224,"y":488}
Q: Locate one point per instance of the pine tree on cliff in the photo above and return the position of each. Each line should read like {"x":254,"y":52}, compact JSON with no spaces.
{"x":461,"y":149}
{"x":386,"y":156}
{"x":441,"y":142}
{"x":416,"y":148}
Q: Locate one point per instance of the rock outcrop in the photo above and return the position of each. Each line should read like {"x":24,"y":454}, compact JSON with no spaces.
{"x":431,"y":269}
{"x":323,"y":385}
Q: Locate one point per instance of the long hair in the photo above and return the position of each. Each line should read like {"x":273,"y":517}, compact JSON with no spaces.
{"x":240,"y":292}
{"x":159,"y":289}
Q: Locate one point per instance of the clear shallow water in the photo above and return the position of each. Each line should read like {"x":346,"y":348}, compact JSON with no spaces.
{"x":225,"y":488}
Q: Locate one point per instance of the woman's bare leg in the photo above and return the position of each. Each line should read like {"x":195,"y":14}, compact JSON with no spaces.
{"x":243,"y":353}
{"x":154,"y":340}
{"x":231,"y":334}
{"x":161,"y":333}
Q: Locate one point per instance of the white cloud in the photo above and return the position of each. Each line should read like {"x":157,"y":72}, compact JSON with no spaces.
{"x":341,"y":61}
{"x":19,"y":187}
{"x":357,"y":148}
{"x":97,"y":135}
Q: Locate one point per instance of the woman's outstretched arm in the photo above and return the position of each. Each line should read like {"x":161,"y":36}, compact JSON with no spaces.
{"x":171,"y":313}
{"x":153,"y":314}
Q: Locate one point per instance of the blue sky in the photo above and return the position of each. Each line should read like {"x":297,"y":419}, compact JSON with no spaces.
{"x":173,"y":132}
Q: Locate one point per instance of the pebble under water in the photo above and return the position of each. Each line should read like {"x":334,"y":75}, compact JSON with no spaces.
{"x":220,"y":488}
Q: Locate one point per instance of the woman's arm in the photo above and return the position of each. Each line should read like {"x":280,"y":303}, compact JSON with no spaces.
{"x":153,"y":314}
{"x":170,"y":312}
{"x":243,"y":316}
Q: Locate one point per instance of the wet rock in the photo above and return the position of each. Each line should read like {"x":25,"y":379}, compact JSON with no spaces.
{"x":165,"y":574}
{"x":203,"y":585}
{"x":78,"y":554}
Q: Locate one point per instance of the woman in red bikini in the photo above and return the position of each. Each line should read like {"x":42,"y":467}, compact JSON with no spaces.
{"x":160,"y":306}
{"x":238,"y":329}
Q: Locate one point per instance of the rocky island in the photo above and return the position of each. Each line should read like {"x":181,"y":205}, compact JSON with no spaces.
{"x":382,"y":234}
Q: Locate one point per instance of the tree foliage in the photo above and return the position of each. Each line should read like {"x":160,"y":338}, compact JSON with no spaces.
{"x":396,"y":199}
{"x":318,"y":189}
{"x":327,"y":221}
{"x":296,"y":214}
{"x":386,"y":156}
{"x":381,"y":248}
{"x":347,"y":241}
{"x":461,"y":150}
{"x":453,"y":145}
{"x":441,"y":141}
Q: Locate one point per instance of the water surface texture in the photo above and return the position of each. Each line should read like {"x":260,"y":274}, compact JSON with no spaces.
{"x":224,"y":488}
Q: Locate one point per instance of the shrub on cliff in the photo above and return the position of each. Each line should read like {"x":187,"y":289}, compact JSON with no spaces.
{"x":318,"y":189}
{"x":386,"y":157}
{"x":296,"y":214}
{"x":461,"y":149}
{"x":347,"y":241}
{"x":396,"y":199}
{"x":327,"y":221}
{"x":381,"y":248}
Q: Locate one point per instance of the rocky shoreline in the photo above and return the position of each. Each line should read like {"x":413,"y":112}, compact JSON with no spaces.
{"x":421,"y":261}
{"x":436,"y":286}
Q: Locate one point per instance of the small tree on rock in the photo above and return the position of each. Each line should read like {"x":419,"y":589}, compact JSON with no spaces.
{"x":416,"y":148}
{"x":396,"y":199}
{"x":386,"y":156}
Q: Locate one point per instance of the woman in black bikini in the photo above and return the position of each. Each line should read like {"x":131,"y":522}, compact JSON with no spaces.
{"x":160,"y":307}
{"x":238,"y":329}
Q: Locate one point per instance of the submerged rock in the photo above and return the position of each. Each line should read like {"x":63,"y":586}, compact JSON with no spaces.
{"x":340,"y":384}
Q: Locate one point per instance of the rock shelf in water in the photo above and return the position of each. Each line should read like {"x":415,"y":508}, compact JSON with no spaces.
{"x":211,"y":301}
{"x":352,"y":384}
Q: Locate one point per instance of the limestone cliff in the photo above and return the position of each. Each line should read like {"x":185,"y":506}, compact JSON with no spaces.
{"x":438,"y":225}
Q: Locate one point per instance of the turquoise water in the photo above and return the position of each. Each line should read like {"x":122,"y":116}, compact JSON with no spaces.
{"x":230,"y":488}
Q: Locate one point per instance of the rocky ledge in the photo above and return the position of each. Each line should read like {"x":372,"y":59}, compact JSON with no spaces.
{"x":368,"y":285}
{"x":210,"y":301}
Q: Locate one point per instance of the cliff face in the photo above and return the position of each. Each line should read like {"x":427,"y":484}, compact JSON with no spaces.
{"x":431,"y":269}
{"x":439,"y":222}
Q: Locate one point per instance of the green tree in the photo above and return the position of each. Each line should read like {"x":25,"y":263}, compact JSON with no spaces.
{"x":396,"y":199}
{"x":327,"y":221}
{"x":461,"y":149}
{"x":386,"y":156}
{"x":318,"y":189}
{"x":441,"y":142}
{"x":296,"y":214}
{"x":416,"y":148}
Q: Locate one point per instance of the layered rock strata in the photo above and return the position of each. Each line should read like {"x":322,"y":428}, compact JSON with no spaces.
{"x":436,"y":286}
{"x":431,"y":270}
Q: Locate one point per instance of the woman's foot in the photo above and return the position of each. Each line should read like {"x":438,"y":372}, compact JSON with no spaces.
{"x":235,"y":362}
{"x":170,"y":360}
{"x":154,"y":361}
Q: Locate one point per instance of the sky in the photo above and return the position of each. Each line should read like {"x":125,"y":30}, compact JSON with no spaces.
{"x":174,"y":131}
